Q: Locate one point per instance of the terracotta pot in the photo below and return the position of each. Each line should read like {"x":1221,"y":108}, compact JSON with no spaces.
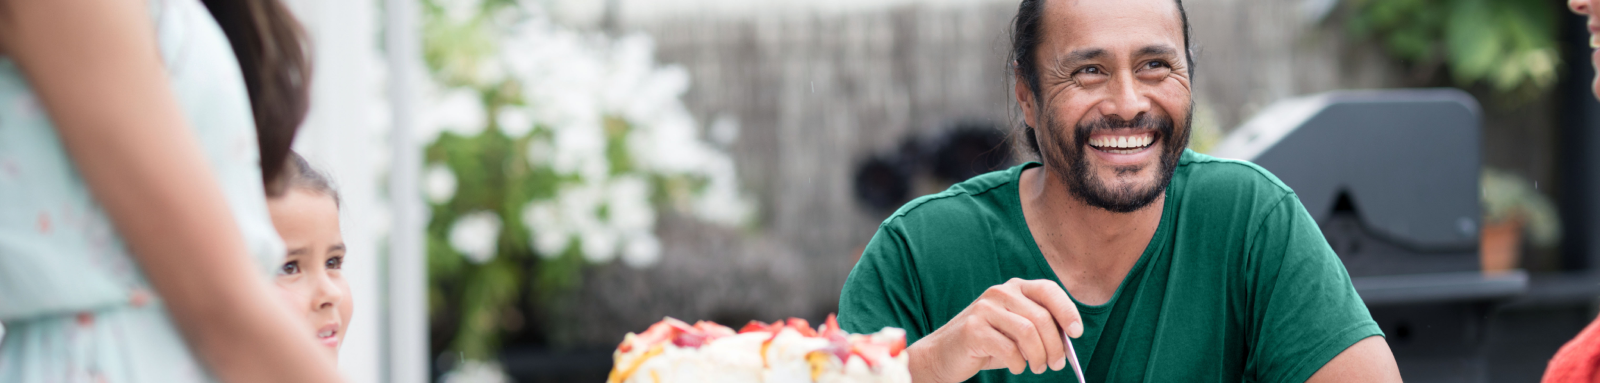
{"x":1500,"y":246}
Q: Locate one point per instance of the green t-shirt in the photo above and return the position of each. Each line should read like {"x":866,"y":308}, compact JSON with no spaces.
{"x":1237,"y":284}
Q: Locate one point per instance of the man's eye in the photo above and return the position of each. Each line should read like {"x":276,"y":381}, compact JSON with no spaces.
{"x":290,"y":268}
{"x":1090,"y":70}
{"x":1156,"y":64}
{"x":335,"y":263}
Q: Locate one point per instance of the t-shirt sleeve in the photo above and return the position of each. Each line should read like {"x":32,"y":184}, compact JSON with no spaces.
{"x":1304,"y":309}
{"x":882,"y":289}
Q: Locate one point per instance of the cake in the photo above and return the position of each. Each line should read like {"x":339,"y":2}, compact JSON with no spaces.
{"x":672,"y":351}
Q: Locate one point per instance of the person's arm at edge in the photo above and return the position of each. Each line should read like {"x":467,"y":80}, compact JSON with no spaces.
{"x":95,"y":66}
{"x":1369,"y":360}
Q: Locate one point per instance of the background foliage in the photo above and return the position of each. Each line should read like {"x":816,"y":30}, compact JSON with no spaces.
{"x":555,"y":149}
{"x":1509,"y":45}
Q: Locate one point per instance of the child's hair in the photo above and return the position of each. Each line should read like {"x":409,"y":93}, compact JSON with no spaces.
{"x":300,"y":175}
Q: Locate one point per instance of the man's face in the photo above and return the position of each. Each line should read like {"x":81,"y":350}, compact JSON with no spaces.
{"x":1113,"y":102}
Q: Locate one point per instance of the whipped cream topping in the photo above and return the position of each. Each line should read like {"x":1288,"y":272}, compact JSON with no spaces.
{"x":783,"y":352}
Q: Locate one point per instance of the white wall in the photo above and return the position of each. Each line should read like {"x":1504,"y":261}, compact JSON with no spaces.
{"x":345,"y":136}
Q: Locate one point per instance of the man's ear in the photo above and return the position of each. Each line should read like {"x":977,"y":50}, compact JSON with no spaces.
{"x":1024,"y":98}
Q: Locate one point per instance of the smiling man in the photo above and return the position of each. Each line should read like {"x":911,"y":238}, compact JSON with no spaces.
{"x":1160,"y":263}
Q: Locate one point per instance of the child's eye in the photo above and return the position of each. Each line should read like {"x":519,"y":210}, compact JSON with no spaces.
{"x":289,"y":268}
{"x":335,"y":263}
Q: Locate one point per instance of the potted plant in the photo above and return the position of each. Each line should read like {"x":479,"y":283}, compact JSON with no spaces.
{"x":1512,"y":208}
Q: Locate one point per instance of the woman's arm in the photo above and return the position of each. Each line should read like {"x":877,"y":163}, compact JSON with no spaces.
{"x":95,"y":67}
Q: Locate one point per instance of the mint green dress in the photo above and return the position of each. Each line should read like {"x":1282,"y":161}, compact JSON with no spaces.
{"x":75,"y":305}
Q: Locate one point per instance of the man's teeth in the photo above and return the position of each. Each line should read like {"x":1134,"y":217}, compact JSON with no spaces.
{"x":1122,"y":142}
{"x":325,"y":334}
{"x":1594,"y":41}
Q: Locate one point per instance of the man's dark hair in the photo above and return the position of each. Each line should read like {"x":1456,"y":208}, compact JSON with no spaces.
{"x":1025,"y":39}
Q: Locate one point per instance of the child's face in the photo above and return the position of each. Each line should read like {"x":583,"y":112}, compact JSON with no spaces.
{"x":310,"y":277}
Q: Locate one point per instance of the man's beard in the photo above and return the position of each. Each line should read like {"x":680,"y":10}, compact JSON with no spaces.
{"x":1070,"y":161}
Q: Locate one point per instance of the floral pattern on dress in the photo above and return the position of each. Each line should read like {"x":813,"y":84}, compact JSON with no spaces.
{"x":75,"y":305}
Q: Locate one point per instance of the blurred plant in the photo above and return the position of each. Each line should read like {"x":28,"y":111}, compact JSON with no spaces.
{"x":1509,"y":198}
{"x":1204,"y":131}
{"x":1508,"y":44}
{"x":554,"y":150}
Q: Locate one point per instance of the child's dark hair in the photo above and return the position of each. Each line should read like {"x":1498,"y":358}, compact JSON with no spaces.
{"x":300,"y":175}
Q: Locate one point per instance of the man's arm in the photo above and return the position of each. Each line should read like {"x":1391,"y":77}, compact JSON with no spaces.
{"x":1310,"y":323}
{"x":1366,"y":361}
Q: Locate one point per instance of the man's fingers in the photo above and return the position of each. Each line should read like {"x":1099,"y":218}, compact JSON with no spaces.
{"x":1021,"y":331}
{"x":1045,"y":325}
{"x":1002,"y":349}
{"x":1050,"y":295}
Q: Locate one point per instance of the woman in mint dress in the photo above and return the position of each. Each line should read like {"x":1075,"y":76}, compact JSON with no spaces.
{"x":135,"y":243}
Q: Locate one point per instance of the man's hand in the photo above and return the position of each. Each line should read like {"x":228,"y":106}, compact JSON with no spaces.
{"x":1010,"y":326}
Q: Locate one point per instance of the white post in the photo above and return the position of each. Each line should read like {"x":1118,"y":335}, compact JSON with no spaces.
{"x":407,"y":356}
{"x":342,"y":138}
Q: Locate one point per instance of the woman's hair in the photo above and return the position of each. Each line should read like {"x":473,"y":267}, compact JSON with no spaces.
{"x":298,"y":174}
{"x":271,"y":49}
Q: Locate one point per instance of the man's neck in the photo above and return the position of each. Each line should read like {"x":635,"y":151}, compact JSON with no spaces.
{"x":1091,"y":249}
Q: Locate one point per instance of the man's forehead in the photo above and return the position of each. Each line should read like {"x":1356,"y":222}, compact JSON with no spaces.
{"x":1108,"y":24}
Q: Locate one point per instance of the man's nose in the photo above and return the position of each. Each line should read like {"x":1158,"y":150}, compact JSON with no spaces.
{"x":1126,"y":100}
{"x":1579,"y":6}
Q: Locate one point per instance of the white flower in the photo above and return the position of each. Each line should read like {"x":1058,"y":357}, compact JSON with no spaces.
{"x":571,"y":83}
{"x":599,"y":244}
{"x":629,"y":205}
{"x":724,"y":130}
{"x":581,"y":151}
{"x":475,"y":235}
{"x":514,"y":121}
{"x":579,"y":205}
{"x":550,"y":237}
{"x":460,"y":11}
{"x":459,"y":110}
{"x":642,"y":251}
{"x":539,"y":152}
{"x":439,"y":183}
{"x":720,"y":201}
{"x":489,"y":72}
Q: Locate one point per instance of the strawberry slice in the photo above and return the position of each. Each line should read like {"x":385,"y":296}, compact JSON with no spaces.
{"x":803,"y":327}
{"x":830,"y":329}
{"x":869,"y":352}
{"x":657,"y":333}
{"x":677,"y":324}
{"x":712,"y":330}
{"x":690,"y":340}
{"x":757,"y":326}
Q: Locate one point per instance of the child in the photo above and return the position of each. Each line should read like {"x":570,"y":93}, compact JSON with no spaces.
{"x":310,"y":277}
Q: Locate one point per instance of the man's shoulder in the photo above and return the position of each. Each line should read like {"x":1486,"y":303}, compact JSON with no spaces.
{"x":961,"y":204}
{"x":1213,"y":178}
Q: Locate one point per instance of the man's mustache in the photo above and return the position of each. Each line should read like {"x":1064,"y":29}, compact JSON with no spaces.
{"x":1160,"y":124}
